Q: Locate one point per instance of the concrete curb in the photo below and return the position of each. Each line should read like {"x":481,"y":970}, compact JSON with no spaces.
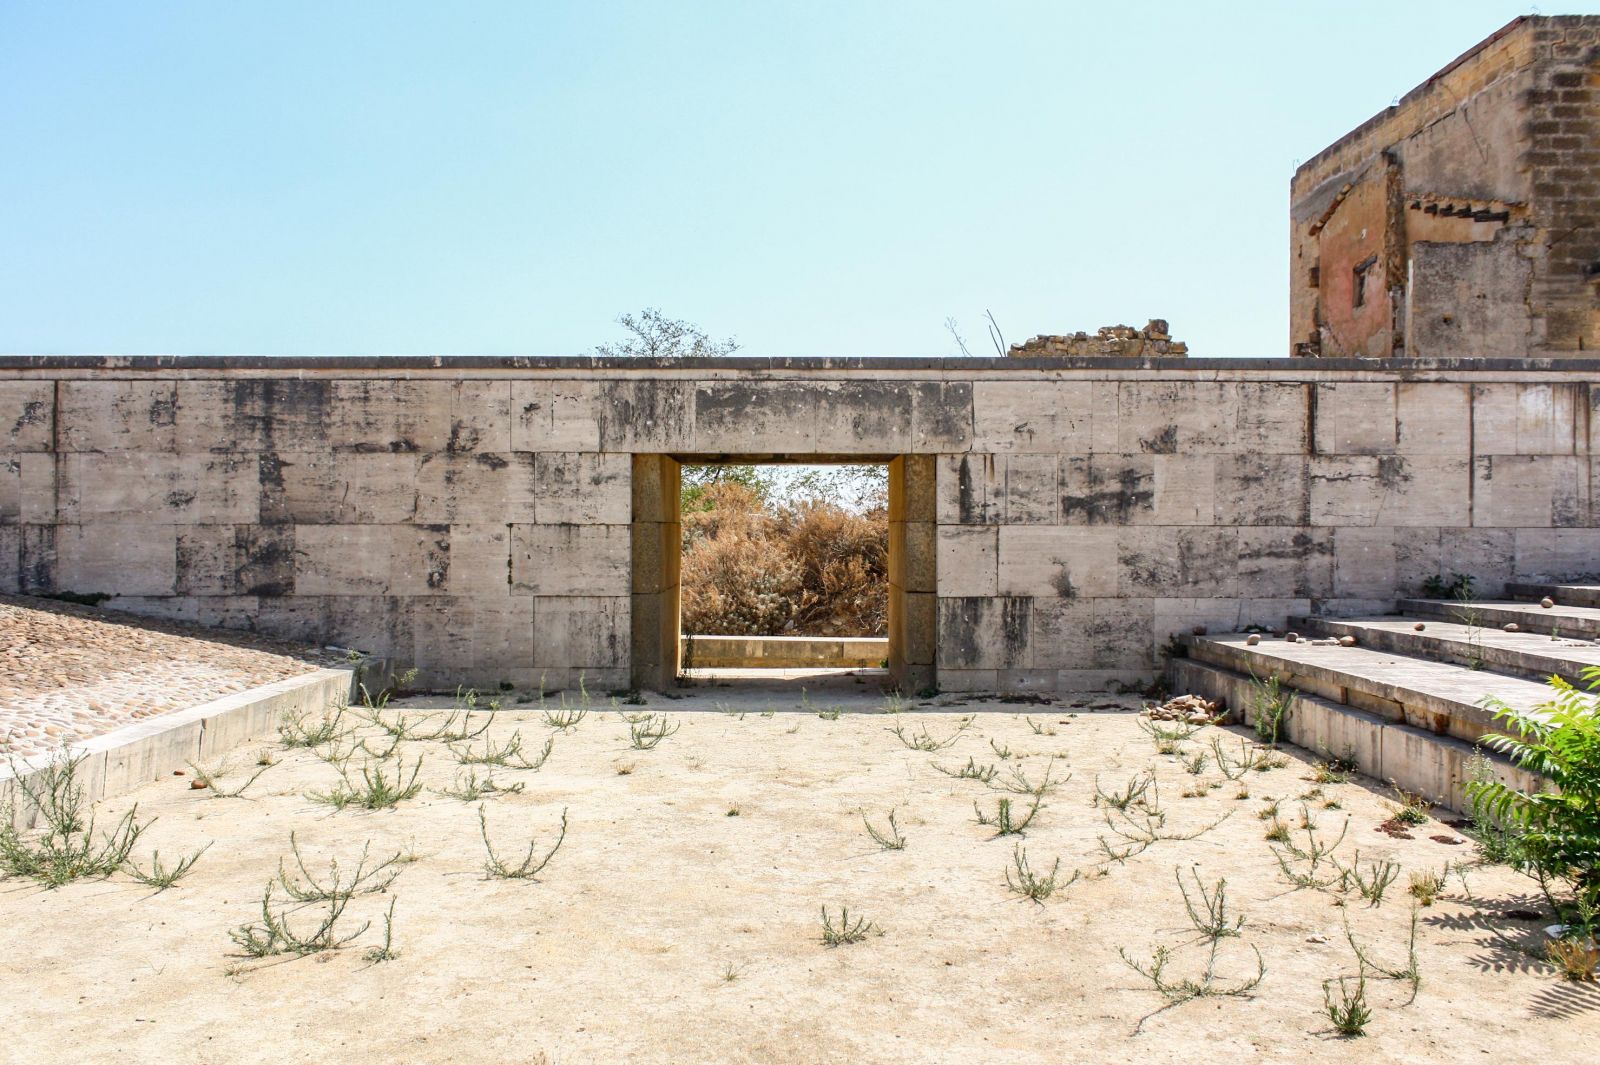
{"x":782,"y":652}
{"x":1424,"y":763}
{"x":119,"y":761}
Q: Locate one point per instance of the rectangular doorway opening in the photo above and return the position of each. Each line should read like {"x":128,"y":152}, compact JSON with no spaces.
{"x":771,"y":570}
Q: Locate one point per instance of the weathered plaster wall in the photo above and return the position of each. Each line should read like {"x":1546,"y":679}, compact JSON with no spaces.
{"x":481,"y":518}
{"x":1480,"y":186}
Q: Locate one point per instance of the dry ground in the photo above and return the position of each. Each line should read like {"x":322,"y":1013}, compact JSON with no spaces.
{"x":679,"y":922}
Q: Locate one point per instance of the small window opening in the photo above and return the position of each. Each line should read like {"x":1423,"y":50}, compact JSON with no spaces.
{"x":1358,"y":287}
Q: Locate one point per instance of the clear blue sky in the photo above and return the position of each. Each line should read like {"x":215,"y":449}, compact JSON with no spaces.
{"x":812,"y":178}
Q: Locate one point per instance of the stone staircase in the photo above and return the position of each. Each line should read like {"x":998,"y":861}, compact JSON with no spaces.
{"x":1405,"y":701}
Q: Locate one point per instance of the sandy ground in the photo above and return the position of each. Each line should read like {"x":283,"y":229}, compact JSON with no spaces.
{"x":622,"y":950}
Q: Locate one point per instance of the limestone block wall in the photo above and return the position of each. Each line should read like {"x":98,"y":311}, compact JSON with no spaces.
{"x":490,"y":520}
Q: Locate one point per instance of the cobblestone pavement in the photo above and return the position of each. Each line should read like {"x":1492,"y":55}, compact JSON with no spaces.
{"x":70,"y":672}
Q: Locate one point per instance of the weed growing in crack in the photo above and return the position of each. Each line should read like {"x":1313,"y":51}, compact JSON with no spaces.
{"x":1128,"y":796}
{"x":211,"y":780}
{"x":1348,"y":1010}
{"x":892,"y":840}
{"x":531,"y":865}
{"x":1141,"y":827}
{"x":508,"y":755}
{"x":303,"y":728}
{"x":1022,"y":880}
{"x":1168,"y":738}
{"x":384,"y":951}
{"x":365,"y":879}
{"x":1302,"y":865}
{"x":566,"y":718}
{"x":971,"y":771}
{"x":1370,"y":883}
{"x":1269,"y":708}
{"x":1005,"y":821}
{"x":275,"y":933}
{"x":1409,"y":974}
{"x":1197,"y":764}
{"x":846,"y":931}
{"x":649,"y":733}
{"x":920,"y":739}
{"x":1040,"y":729}
{"x":1210,"y":919}
{"x":1002,"y":752}
{"x":159,"y":876}
{"x":1250,"y":757}
{"x":376,"y":789}
{"x":1017,"y":782}
{"x":1411,"y":809}
{"x":1576,"y":959}
{"x":68,"y":849}
{"x":468,"y":788}
{"x":324,"y":898}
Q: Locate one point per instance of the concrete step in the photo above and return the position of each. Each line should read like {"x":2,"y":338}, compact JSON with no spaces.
{"x":1436,"y":767}
{"x":1530,"y":655}
{"x":1438,"y":697}
{"x":1564,"y":594}
{"x":1577,"y":622}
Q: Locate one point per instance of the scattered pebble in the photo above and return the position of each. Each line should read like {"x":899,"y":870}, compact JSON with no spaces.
{"x":1191,"y":709}
{"x":1291,"y":637}
{"x":1419,"y":626}
{"x":1512,"y":626}
{"x":1547,"y":602}
{"x":1347,"y":641}
{"x":1252,"y":639}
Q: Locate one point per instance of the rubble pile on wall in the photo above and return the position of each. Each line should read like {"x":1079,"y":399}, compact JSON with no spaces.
{"x":1111,"y":340}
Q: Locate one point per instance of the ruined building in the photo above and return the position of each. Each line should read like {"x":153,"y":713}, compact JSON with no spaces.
{"x":1465,"y":219}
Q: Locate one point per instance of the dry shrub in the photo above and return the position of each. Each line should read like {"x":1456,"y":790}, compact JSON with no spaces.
{"x":807,"y":569}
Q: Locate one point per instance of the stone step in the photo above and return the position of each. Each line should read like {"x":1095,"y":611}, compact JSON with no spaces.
{"x":1423,"y":763}
{"x":1578,"y":622}
{"x":1564,"y":594}
{"x":1437,"y":697}
{"x":1531,"y":655}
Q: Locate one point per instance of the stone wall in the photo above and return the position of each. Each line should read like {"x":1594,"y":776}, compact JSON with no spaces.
{"x":1462,"y":220}
{"x":489,"y":520}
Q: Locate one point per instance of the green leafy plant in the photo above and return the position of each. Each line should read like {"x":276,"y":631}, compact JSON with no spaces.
{"x":971,"y":771}
{"x":1558,"y":829}
{"x":1005,"y":820}
{"x":648,"y":733}
{"x":69,"y":848}
{"x":1022,"y":880}
{"x":375,"y":788}
{"x":1347,"y":1009}
{"x":892,"y":840}
{"x":1214,"y":926}
{"x":846,"y":931}
{"x":920,"y":739}
{"x":159,"y":876}
{"x":1269,"y":708}
{"x":531,"y":864}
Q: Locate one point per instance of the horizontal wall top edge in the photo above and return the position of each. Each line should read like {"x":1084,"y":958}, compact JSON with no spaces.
{"x":1282,"y":369}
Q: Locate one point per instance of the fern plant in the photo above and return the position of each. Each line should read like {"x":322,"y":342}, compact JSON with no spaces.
{"x":1558,"y":829}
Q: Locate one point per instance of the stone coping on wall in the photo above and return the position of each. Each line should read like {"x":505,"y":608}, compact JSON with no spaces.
{"x":1581,"y":367}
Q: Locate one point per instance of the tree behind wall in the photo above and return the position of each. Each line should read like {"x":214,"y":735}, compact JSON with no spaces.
{"x":810,"y":567}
